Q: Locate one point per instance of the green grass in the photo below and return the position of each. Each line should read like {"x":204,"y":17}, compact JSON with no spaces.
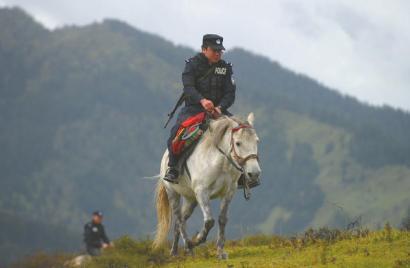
{"x":315,"y":248}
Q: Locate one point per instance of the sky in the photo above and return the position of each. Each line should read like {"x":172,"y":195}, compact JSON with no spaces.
{"x":359,"y":47}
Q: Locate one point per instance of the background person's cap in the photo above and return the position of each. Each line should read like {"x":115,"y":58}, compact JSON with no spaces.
{"x":98,"y":213}
{"x":214,"y":41}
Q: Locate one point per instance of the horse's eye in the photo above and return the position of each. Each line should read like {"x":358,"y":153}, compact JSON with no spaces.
{"x":238,"y":143}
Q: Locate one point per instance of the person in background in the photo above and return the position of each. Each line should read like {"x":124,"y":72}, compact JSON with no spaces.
{"x":95,"y":237}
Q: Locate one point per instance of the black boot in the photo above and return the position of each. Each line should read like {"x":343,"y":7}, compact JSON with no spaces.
{"x":171,"y":175}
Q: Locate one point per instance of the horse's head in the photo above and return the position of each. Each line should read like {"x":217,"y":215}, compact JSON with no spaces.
{"x":244,"y":143}
{"x":238,"y":141}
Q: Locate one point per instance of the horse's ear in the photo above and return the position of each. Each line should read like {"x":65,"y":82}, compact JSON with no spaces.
{"x":251,"y":118}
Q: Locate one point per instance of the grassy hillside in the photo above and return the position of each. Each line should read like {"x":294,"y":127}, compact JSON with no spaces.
{"x":314,"y":248}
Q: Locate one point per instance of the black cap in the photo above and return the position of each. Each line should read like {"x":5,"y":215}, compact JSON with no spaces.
{"x":214,"y":41}
{"x":98,"y":213}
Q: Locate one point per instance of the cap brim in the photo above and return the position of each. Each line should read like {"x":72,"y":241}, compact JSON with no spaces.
{"x":217,"y":47}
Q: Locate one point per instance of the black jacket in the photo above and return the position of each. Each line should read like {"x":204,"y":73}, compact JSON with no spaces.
{"x":218,"y":86}
{"x":94,"y":235}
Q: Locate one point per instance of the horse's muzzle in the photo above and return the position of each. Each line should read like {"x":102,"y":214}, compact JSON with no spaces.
{"x":253,"y":178}
{"x":253,"y":175}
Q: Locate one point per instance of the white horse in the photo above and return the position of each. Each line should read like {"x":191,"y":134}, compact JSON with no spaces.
{"x":227,"y":149}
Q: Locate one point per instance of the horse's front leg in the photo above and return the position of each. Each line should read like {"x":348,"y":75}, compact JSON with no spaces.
{"x":202,"y":196}
{"x":222,"y":220}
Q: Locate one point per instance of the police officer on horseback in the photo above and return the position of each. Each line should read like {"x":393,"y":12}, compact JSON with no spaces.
{"x":208,"y":86}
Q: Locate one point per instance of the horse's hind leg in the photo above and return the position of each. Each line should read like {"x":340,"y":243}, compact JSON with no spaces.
{"x":222,"y":220}
{"x":187,"y":210}
{"x":175,"y":202}
{"x":180,"y":227}
{"x":174,"y":248}
{"x":202,"y":197}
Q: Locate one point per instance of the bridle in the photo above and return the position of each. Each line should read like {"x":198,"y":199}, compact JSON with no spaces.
{"x":241,"y":160}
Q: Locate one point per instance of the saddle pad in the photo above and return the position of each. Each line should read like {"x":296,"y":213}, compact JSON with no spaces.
{"x":188,"y":132}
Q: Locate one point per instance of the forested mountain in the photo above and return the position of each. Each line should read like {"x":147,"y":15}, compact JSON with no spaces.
{"x":81,"y":116}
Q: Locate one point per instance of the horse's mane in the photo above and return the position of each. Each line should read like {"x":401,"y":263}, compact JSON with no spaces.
{"x":218,"y":128}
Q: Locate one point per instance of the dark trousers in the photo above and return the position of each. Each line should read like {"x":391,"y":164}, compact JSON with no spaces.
{"x":93,"y":251}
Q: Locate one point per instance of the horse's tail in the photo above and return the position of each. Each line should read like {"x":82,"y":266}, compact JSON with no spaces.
{"x":163,"y":216}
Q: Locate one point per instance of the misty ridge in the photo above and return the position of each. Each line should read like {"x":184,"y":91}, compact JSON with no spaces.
{"x":82,"y":112}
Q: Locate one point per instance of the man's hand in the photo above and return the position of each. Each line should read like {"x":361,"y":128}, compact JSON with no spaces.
{"x":110,"y":245}
{"x":207,"y":104}
{"x":216,"y":112}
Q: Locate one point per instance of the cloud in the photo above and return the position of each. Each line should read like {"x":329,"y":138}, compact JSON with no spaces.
{"x":360,"y":48}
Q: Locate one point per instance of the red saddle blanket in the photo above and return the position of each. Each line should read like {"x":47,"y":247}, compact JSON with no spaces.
{"x":188,"y":132}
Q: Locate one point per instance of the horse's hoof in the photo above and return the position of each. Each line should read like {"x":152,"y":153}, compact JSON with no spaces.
{"x":189,"y":252}
{"x":223,"y":256}
{"x":190,"y":244}
{"x":173,"y":252}
{"x":198,"y":239}
{"x":194,"y":237}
